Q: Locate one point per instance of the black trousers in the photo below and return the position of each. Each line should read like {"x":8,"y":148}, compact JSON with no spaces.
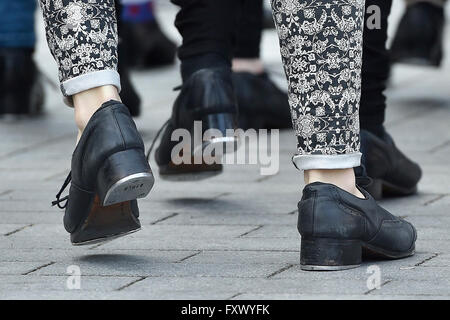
{"x":232,"y":28}
{"x":375,"y":68}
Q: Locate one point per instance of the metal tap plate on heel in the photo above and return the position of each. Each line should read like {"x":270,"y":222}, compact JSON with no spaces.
{"x":205,"y":170}
{"x":124,"y":176}
{"x":129,"y":188}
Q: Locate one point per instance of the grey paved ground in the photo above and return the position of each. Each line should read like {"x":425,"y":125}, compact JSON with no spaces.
{"x":231,"y":237}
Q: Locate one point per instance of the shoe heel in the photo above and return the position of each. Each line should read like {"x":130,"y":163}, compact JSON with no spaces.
{"x":323,"y":254}
{"x":376,"y":189}
{"x":215,"y":128}
{"x":124,"y":176}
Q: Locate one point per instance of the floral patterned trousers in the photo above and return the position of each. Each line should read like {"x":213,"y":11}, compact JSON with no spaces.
{"x":82,"y":37}
{"x":321,"y":50}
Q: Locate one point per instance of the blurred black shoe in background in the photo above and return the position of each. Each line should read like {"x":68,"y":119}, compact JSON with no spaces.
{"x":419,"y":35}
{"x":262,"y":105}
{"x":206,"y":96}
{"x":21,"y":91}
{"x":128,"y":94}
{"x":147,"y":46}
{"x":393,"y":173}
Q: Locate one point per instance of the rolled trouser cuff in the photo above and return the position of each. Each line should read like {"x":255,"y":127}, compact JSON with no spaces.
{"x":321,"y":161}
{"x":89,"y":81}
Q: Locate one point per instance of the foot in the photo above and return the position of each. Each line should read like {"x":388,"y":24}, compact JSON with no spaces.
{"x":21,"y":92}
{"x":338,"y":229}
{"x":109,"y":172}
{"x":419,"y":35}
{"x":147,"y":46}
{"x":262,"y":105}
{"x":393,"y":173}
{"x":207,"y":98}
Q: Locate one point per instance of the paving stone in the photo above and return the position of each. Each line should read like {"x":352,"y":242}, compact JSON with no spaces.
{"x":35,"y":284}
{"x":130,"y":265}
{"x":439,"y":287}
{"x":233,"y":236}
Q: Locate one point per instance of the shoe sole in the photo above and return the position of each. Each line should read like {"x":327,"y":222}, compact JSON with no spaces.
{"x":381,"y":188}
{"x":336,"y":255}
{"x":105,"y":239}
{"x":194,"y":176}
{"x":196,"y":172}
{"x":390,"y":189}
{"x":106,"y":223}
{"x":328,"y":268}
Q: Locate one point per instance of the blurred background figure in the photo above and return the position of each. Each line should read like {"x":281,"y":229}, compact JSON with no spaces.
{"x":262,"y":105}
{"x":418,"y":39}
{"x":142,"y":45}
{"x":145,"y":44}
{"x":21,"y":92}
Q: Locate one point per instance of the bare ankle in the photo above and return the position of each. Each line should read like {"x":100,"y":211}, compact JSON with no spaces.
{"x":343,"y":178}
{"x":254,"y":66}
{"x":89,"y":101}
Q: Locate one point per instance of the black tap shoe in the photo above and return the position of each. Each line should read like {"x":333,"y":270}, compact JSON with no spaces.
{"x":393,"y":173}
{"x":338,"y":229}
{"x":109,"y":171}
{"x":148,"y":47}
{"x":206,"y":104}
{"x":262,"y":105}
{"x":419,"y":37}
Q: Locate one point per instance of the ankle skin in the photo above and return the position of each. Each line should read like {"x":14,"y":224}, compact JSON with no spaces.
{"x":254,"y":66}
{"x":89,"y":101}
{"x":342,"y":178}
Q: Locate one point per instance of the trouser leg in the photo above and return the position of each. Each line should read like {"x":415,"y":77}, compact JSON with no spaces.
{"x":207,"y":28}
{"x":321,"y":49}
{"x":249,"y":29}
{"x":375,"y":69}
{"x":82,"y":37}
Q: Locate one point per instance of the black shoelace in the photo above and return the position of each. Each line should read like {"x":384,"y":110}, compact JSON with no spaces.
{"x":58,"y":200}
{"x":156,"y":139}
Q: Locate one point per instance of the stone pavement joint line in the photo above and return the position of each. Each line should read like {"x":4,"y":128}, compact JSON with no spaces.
{"x":131,"y":283}
{"x":427,"y":259}
{"x":38,"y":268}
{"x":372,"y":290}
{"x":165,"y":218}
{"x":248,"y":232}
{"x":189,"y":256}
{"x":439,"y":197}
{"x":280,"y":271}
{"x":17,"y":230}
